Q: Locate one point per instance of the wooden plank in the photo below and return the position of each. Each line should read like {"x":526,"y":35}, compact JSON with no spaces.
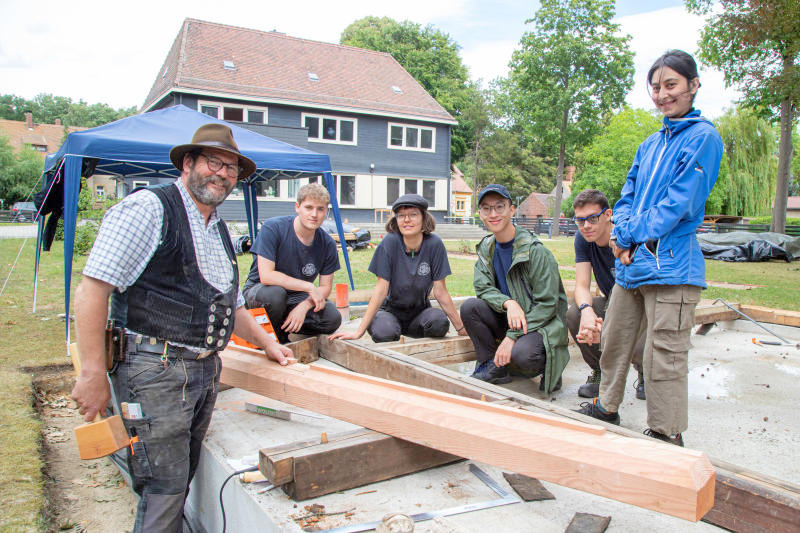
{"x":772,"y":316}
{"x":646,"y":473}
{"x":443,"y":351}
{"x":359,"y":459}
{"x":373,"y":360}
{"x":714,"y":313}
{"x":751,"y":501}
{"x":305,"y":351}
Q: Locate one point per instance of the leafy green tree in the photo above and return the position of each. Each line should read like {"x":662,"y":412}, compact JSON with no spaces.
{"x":430,"y":56}
{"x":46,"y":108}
{"x":756,"y":43}
{"x":569,"y":71}
{"x":749,"y":145}
{"x":505,"y":159}
{"x":13,"y":107}
{"x":19,"y":172}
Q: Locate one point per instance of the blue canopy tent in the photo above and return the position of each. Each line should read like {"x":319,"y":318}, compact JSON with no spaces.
{"x":139,"y":146}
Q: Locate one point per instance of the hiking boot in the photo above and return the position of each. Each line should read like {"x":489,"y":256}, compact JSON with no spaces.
{"x":594,"y":410}
{"x":677,"y":440}
{"x":639,"y":386}
{"x":591,"y":389}
{"x":557,"y":387}
{"x":491,"y":373}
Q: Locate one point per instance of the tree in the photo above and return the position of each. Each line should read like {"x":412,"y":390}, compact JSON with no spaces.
{"x":749,"y":147}
{"x":46,"y":108}
{"x":605,"y":163}
{"x":570,"y":70}
{"x":756,"y":43}
{"x":430,"y":56}
{"x":19,"y":172}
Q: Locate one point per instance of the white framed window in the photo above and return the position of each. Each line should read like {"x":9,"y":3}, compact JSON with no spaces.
{"x":139,"y":184}
{"x":292,"y":187}
{"x":408,"y":137}
{"x":345,"y":187}
{"x":99,"y":191}
{"x":330,"y":129}
{"x":266,"y":188}
{"x":425,"y":188}
{"x":234,"y":112}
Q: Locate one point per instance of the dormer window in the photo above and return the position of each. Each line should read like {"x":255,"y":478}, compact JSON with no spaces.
{"x":397,"y":90}
{"x":228,"y":65}
{"x":313,"y":76}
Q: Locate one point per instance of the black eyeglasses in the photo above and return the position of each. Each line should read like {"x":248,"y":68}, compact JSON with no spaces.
{"x":214,"y":164}
{"x":591,"y":219}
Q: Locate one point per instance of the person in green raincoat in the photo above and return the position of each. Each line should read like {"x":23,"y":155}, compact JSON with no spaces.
{"x":517,"y":323}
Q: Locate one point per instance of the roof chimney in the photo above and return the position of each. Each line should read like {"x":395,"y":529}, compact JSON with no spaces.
{"x":29,"y":120}
{"x":57,"y":122}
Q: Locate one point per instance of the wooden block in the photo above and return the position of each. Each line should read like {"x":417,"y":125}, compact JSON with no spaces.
{"x":588,"y":523}
{"x":347,"y":462}
{"x":98,"y":439}
{"x":714,"y":313}
{"x":668,"y":479}
{"x":305,"y":351}
{"x":529,"y":488}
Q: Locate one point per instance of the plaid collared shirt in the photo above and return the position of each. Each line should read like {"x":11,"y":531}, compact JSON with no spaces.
{"x":131,"y":233}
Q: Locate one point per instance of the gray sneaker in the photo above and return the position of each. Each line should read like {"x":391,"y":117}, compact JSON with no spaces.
{"x":591,"y":389}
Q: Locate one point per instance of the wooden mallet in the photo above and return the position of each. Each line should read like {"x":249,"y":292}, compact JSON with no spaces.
{"x":102,"y":437}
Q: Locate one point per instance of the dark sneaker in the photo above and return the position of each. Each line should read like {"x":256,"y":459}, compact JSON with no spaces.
{"x":557,"y":387}
{"x":639,"y":386}
{"x":591,"y":389}
{"x":594,"y":410}
{"x":491,"y":373}
{"x":677,"y":440}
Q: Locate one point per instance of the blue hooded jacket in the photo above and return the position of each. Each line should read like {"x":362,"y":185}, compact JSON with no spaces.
{"x":663,"y":203}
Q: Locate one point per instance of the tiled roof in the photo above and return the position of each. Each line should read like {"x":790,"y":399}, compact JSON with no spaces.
{"x":273,"y":67}
{"x":536,"y":204}
{"x":457,"y":183}
{"x":19,"y":135}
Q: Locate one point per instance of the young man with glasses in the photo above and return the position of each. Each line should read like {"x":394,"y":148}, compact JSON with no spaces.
{"x":164,"y":258}
{"x":593,"y":255}
{"x":288,"y":255}
{"x":517,"y":322}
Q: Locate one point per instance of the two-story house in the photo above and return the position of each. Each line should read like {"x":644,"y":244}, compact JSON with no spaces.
{"x":385,"y":135}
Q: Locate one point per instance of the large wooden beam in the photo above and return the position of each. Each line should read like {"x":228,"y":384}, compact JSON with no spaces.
{"x":755,"y":494}
{"x":437,"y":351}
{"x":307,"y":470}
{"x":668,"y":479}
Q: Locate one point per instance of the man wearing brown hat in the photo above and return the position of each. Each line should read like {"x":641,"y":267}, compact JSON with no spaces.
{"x":165,"y":260}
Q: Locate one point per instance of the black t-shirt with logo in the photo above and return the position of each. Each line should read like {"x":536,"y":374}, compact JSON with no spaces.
{"x":410,"y":276}
{"x":602,"y":260}
{"x":278,"y":242}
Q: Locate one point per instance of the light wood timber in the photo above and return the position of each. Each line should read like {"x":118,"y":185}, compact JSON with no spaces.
{"x":755,"y":492}
{"x":440,"y":351}
{"x":714,"y":313}
{"x":305,"y":350}
{"x":667,"y":479}
{"x":346,"y":462}
{"x":102,"y":437}
{"x":771,"y":316}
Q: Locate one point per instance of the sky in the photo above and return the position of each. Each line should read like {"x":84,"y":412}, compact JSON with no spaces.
{"x":101,"y":51}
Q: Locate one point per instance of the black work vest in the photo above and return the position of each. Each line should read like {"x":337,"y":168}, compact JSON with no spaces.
{"x":171,"y":300}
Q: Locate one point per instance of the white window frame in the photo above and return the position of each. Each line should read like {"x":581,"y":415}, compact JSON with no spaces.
{"x":405,"y":127}
{"x":139,"y":183}
{"x":338,"y":120}
{"x":420,"y":188}
{"x":99,"y":192}
{"x":338,"y":181}
{"x":245,"y":109}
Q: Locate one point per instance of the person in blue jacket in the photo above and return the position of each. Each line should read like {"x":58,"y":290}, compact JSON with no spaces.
{"x":660,"y":269}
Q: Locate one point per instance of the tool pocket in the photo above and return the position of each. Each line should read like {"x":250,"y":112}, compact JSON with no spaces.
{"x":138,"y":461}
{"x":674,"y":318}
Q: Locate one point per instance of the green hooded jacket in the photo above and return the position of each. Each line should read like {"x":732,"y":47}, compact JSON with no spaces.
{"x":534,"y":283}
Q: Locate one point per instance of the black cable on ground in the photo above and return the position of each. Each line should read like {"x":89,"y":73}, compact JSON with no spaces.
{"x":221,"y":505}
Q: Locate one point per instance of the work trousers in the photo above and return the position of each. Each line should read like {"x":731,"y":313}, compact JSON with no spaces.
{"x":387,"y":326}
{"x":487,"y":328}
{"x":177,"y":399}
{"x":275,"y":301}
{"x":665,"y":314}
{"x":591,"y":352}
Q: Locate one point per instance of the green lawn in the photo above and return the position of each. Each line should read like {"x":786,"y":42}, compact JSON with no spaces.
{"x":34,"y":340}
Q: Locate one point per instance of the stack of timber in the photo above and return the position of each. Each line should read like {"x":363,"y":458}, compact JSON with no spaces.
{"x":667,"y":479}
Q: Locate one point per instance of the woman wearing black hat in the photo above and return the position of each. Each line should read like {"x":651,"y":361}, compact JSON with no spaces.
{"x":408,"y":262}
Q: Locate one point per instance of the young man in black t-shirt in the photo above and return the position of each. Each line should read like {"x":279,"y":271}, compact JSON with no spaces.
{"x":585,"y":316}
{"x":288,"y":255}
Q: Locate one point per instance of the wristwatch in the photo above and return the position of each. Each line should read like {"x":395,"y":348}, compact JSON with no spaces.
{"x":582,"y":307}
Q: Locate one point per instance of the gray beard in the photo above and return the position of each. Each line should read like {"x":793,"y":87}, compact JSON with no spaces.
{"x":197,"y":184}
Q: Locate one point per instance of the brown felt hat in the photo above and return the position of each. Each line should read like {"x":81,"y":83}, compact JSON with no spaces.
{"x":217,"y":136}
